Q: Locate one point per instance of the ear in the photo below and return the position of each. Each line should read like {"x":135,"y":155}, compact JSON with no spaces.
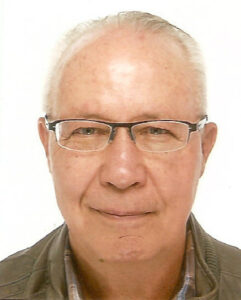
{"x":44,"y":137}
{"x":209,"y":135}
{"x":43,"y":134}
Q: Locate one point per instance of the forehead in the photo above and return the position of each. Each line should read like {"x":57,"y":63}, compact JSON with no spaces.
{"x":124,"y":75}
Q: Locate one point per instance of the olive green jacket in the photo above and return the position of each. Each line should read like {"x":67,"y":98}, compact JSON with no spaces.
{"x":37,"y":273}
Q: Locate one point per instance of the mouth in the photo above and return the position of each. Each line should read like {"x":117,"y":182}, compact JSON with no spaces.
{"x":123,"y":215}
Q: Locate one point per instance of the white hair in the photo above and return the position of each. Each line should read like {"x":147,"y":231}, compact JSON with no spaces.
{"x":83,"y":32}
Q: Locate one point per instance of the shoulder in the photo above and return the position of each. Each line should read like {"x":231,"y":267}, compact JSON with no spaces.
{"x":16,"y":270}
{"x":229,"y":258}
{"x":226,"y":256}
{"x":221,"y":260}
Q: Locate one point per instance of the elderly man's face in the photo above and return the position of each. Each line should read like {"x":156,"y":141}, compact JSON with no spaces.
{"x":121,"y":203}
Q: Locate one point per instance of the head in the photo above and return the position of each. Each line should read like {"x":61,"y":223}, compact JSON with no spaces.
{"x":122,"y":203}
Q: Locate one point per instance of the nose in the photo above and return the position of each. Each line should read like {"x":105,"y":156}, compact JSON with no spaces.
{"x":123,"y":167}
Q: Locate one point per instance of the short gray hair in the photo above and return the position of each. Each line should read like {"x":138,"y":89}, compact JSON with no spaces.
{"x":137,"y":20}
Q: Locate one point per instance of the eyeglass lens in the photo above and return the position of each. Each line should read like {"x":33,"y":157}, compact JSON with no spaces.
{"x":156,"y":136}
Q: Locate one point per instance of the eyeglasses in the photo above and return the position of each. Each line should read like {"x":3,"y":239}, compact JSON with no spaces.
{"x":152,"y":136}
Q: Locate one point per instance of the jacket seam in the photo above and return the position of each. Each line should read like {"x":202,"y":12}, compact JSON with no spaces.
{"x":22,"y":278}
{"x":13,"y":295}
{"x":231,"y":274}
{"x":204,"y":272}
{"x":15,"y":281}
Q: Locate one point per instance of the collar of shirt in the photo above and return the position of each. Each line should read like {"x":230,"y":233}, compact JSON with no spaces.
{"x":188,"y":279}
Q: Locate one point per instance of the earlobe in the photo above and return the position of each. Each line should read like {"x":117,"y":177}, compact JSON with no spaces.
{"x":208,"y":140}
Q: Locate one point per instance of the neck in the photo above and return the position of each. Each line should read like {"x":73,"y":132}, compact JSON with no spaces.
{"x":156,"y":278}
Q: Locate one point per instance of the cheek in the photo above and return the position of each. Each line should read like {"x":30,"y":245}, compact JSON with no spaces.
{"x":176,"y":174}
{"x":72,"y":174}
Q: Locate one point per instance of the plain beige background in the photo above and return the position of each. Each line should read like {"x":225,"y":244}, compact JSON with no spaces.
{"x":29,"y":32}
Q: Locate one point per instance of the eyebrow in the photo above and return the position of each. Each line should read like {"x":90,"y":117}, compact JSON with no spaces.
{"x":145,"y":116}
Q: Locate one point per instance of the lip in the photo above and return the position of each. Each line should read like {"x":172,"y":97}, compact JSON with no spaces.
{"x":123,"y":215}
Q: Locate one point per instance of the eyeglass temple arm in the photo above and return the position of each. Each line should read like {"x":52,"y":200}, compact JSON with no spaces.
{"x":199,"y":125}
{"x":49,"y":126}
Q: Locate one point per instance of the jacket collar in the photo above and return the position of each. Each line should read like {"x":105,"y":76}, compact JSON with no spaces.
{"x":207,"y":270}
{"x":48,"y":275}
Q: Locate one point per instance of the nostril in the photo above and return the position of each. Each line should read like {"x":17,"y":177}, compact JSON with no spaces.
{"x":122,"y":186}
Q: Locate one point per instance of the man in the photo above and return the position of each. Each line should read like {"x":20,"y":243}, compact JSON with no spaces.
{"x":127,"y":139}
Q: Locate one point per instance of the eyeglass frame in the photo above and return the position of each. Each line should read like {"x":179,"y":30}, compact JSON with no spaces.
{"x":191,"y":126}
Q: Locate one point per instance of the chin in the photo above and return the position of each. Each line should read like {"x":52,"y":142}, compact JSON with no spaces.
{"x":129,"y":249}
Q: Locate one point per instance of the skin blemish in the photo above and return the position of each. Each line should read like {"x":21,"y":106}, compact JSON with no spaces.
{"x":123,"y":236}
{"x":142,"y":36}
{"x":101,"y":260}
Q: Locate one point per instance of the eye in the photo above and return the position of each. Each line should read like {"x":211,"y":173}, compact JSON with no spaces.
{"x":157,"y":131}
{"x":85,"y":131}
